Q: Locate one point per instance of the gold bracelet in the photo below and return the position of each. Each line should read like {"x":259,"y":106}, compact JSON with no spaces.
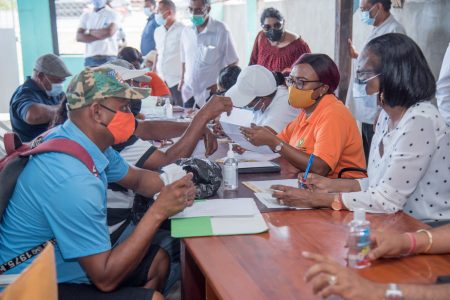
{"x":430,"y":239}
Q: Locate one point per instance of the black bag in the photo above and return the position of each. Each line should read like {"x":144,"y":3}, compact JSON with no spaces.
{"x":207,"y":175}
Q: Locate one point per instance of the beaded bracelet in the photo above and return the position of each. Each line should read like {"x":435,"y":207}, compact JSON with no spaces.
{"x":430,"y":239}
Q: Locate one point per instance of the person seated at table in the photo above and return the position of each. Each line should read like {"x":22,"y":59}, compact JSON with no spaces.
{"x":133,"y":56}
{"x":324,"y":127}
{"x":330,"y":278}
{"x":265,"y":93}
{"x":276,"y":48}
{"x":34,"y":104}
{"x":409,"y":164}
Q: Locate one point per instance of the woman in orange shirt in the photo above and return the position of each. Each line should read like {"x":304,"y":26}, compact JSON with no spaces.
{"x":324,"y":127}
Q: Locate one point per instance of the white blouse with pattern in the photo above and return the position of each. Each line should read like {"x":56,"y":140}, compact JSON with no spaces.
{"x":414,"y":172}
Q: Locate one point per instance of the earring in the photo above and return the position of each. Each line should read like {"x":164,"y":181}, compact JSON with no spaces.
{"x":382,"y":98}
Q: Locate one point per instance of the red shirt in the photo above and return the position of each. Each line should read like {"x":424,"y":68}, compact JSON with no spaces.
{"x":277,"y":59}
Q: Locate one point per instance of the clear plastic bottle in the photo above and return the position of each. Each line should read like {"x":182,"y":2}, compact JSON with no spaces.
{"x":168,"y":109}
{"x":230,"y":171}
{"x":358,"y":240}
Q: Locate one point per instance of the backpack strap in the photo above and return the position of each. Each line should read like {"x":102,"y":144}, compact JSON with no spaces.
{"x":66,"y":146}
{"x":12,"y":142}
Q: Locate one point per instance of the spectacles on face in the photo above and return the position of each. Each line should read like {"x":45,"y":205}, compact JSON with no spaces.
{"x":197,"y":11}
{"x":123,"y":108}
{"x":297,"y":82}
{"x":267,"y":27}
{"x":362,"y":77}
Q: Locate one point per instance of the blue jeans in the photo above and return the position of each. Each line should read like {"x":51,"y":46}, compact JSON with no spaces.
{"x":95,"y":61}
{"x":171,"y":245}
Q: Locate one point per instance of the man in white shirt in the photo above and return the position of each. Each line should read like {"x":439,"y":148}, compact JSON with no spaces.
{"x":443,"y":88}
{"x":167,"y":39}
{"x":375,"y":13}
{"x":206,"y":48}
{"x":98,"y":30}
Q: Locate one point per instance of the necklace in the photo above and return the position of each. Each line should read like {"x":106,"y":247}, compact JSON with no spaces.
{"x":398,"y":121}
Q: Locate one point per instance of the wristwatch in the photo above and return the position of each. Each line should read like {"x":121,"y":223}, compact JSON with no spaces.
{"x":337,"y":202}
{"x":278,"y":147}
{"x":393,"y":293}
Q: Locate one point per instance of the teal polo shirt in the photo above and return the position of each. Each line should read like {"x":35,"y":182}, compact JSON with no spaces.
{"x":57,"y":196}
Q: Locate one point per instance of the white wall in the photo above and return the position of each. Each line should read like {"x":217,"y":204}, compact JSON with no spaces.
{"x":9,"y":75}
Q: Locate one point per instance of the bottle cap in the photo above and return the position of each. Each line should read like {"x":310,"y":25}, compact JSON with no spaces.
{"x":230,"y":153}
{"x":359,"y":215}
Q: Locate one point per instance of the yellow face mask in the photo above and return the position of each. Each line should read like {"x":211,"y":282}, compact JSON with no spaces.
{"x":300,"y":98}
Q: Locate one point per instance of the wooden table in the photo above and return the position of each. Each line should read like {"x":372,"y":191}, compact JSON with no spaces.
{"x":270,"y":265}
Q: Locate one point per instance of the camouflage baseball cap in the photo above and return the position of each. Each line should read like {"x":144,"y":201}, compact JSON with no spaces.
{"x":99,"y":83}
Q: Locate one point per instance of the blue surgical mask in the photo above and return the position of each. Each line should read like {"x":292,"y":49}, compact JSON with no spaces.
{"x":98,"y":3}
{"x":57,"y":89}
{"x":365,"y":17}
{"x":148,"y":12}
{"x":159,"y":19}
{"x":360,"y":93}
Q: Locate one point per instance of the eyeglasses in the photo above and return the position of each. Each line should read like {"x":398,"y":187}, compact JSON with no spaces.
{"x":267,"y":27}
{"x":362,"y":77}
{"x":196,"y":11}
{"x":298,"y":83}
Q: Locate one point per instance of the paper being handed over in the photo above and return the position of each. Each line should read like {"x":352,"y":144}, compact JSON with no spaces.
{"x":231,"y":124}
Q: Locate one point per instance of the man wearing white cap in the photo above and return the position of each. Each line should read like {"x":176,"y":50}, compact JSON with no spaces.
{"x":34,"y":104}
{"x":264,"y":92}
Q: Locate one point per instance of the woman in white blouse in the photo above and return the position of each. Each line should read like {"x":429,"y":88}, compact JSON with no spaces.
{"x":409,"y":163}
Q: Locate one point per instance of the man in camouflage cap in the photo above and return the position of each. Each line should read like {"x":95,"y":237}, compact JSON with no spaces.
{"x":68,"y":202}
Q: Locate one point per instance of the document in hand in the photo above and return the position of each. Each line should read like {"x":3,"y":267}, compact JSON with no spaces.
{"x":219,"y":217}
{"x":231,"y":124}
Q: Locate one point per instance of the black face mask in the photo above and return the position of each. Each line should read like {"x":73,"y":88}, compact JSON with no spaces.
{"x":274,"y":35}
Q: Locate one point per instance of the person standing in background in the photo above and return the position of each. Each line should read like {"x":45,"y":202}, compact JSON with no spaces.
{"x":206,"y":48}
{"x":98,"y":30}
{"x":275,"y":48}
{"x":148,"y":39}
{"x":365,"y":109}
{"x":167,"y":39}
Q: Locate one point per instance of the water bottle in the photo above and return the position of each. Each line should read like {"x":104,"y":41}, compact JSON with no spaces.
{"x":358,"y":240}
{"x":168,"y":108}
{"x":230,"y":171}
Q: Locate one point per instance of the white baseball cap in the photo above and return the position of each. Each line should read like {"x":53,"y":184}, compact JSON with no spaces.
{"x":254,"y":81}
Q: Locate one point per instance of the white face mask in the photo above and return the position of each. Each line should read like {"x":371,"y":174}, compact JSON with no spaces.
{"x":360,"y":93}
{"x":56,"y":90}
{"x":98,"y":3}
{"x":148,"y":12}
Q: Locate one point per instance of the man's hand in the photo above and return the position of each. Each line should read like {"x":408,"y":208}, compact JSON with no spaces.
{"x":174,"y":197}
{"x":328,"y":278}
{"x":215,"y":107}
{"x":238,"y":149}
{"x":180,"y":85}
{"x":259,"y":135}
{"x":352,"y":50}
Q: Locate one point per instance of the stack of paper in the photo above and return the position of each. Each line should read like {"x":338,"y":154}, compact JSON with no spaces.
{"x":271,"y":202}
{"x":231,"y":124}
{"x":219,"y":217}
{"x":250,"y":156}
{"x":264,"y":186}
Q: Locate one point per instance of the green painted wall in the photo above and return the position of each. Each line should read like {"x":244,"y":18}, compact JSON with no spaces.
{"x":36,"y":36}
{"x":35,"y":31}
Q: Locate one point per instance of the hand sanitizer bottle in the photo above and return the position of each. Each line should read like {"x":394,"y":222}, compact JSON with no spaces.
{"x":358,"y":240}
{"x":168,"y":108}
{"x":230,"y":171}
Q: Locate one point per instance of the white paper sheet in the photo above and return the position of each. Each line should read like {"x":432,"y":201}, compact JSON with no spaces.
{"x":230,"y":226}
{"x":264,"y":186}
{"x":271,"y":202}
{"x":231,"y":124}
{"x":220,"y":208}
{"x":255,"y":164}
